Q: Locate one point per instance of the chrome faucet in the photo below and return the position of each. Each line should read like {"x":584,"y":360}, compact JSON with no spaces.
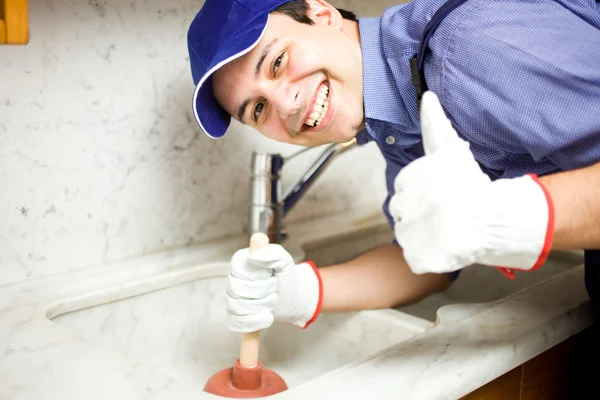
{"x":268,"y":206}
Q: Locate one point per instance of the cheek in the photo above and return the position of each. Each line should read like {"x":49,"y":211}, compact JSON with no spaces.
{"x":274,"y":129}
{"x":303,"y":63}
{"x":309,"y":54}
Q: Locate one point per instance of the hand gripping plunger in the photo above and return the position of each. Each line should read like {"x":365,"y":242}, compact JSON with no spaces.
{"x":247,"y":378}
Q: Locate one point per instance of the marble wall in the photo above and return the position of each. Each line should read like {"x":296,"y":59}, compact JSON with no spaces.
{"x":100,"y":158}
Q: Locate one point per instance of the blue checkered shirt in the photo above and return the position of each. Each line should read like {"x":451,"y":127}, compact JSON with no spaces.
{"x":519,"y":79}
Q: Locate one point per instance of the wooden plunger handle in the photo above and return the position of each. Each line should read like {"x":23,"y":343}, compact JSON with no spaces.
{"x":249,"y":347}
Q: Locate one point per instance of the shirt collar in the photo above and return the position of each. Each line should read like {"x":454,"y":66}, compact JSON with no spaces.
{"x":382,"y":100}
{"x":383,"y":103}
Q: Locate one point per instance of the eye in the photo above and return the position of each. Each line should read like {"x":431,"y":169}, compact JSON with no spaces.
{"x":257,"y":110}
{"x":277,"y":63}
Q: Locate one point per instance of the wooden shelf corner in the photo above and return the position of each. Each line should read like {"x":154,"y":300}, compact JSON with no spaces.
{"x":14,"y":22}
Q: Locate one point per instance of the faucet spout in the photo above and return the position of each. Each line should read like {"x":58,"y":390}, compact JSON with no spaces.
{"x":305,"y":181}
{"x":268,"y":206}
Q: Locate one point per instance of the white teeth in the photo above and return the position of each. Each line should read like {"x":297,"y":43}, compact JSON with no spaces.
{"x":320,"y":107}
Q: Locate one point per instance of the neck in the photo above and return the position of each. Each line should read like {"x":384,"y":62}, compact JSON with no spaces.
{"x":350,"y":28}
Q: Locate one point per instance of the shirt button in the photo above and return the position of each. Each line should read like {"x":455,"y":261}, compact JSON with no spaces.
{"x":390,"y":140}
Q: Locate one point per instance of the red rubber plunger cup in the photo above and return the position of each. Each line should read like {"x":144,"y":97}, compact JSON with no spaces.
{"x":247,"y":378}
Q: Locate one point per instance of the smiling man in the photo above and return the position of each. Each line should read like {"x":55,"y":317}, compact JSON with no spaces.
{"x":293,"y":90}
{"x":500,"y":166}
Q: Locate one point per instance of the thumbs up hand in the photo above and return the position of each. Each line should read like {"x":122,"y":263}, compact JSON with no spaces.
{"x":448,"y":214}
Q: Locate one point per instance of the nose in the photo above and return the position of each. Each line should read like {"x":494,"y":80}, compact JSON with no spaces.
{"x":285,"y":98}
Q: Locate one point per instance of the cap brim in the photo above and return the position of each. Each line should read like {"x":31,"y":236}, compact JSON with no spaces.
{"x":211,"y":117}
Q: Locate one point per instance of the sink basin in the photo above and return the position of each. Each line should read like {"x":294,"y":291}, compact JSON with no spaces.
{"x":181,"y":330}
{"x":476,"y":285}
{"x":480,"y":287}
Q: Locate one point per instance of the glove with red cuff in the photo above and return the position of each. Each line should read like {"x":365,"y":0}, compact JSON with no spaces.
{"x":266,"y":285}
{"x":448,"y":214}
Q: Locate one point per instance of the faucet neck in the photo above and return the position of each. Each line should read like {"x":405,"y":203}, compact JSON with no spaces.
{"x":268,"y":206}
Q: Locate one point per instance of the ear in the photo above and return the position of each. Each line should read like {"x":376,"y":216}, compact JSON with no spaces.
{"x":322,"y":12}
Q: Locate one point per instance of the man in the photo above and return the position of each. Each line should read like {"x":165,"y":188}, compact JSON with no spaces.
{"x":519,"y":87}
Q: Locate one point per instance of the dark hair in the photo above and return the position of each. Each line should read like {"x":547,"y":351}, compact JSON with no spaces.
{"x":298,"y":10}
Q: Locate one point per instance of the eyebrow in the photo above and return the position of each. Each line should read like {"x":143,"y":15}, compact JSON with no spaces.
{"x":242,"y":110}
{"x":263,"y":56}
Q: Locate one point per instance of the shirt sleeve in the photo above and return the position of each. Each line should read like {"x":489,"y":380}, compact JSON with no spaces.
{"x":524,"y":77}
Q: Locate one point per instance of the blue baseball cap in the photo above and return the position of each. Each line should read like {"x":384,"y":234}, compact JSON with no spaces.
{"x":222,"y":31}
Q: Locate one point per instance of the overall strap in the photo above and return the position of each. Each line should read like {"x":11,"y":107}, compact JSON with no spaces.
{"x":416,"y":62}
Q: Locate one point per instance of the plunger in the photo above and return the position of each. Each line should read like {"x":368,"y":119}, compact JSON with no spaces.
{"x":247,"y":378}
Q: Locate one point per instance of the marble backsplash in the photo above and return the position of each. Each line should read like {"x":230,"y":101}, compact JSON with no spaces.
{"x":100,"y":157}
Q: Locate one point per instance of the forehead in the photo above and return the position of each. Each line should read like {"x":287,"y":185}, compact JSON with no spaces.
{"x":232,"y":83}
{"x":278,"y":25}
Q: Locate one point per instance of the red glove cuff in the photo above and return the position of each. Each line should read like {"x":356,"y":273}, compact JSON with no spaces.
{"x":509,"y":272}
{"x":320,"y":302}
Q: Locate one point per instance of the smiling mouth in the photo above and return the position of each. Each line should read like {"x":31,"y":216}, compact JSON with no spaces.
{"x":320,"y":106}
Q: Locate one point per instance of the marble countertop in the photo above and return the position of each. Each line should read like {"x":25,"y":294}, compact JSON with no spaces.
{"x":44,"y":360}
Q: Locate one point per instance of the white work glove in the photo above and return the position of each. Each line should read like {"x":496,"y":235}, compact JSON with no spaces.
{"x":266,"y":285}
{"x":448,"y":214}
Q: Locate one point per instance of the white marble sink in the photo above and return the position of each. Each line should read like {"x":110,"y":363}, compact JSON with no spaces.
{"x":181,"y":330}
{"x":154,"y":327}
